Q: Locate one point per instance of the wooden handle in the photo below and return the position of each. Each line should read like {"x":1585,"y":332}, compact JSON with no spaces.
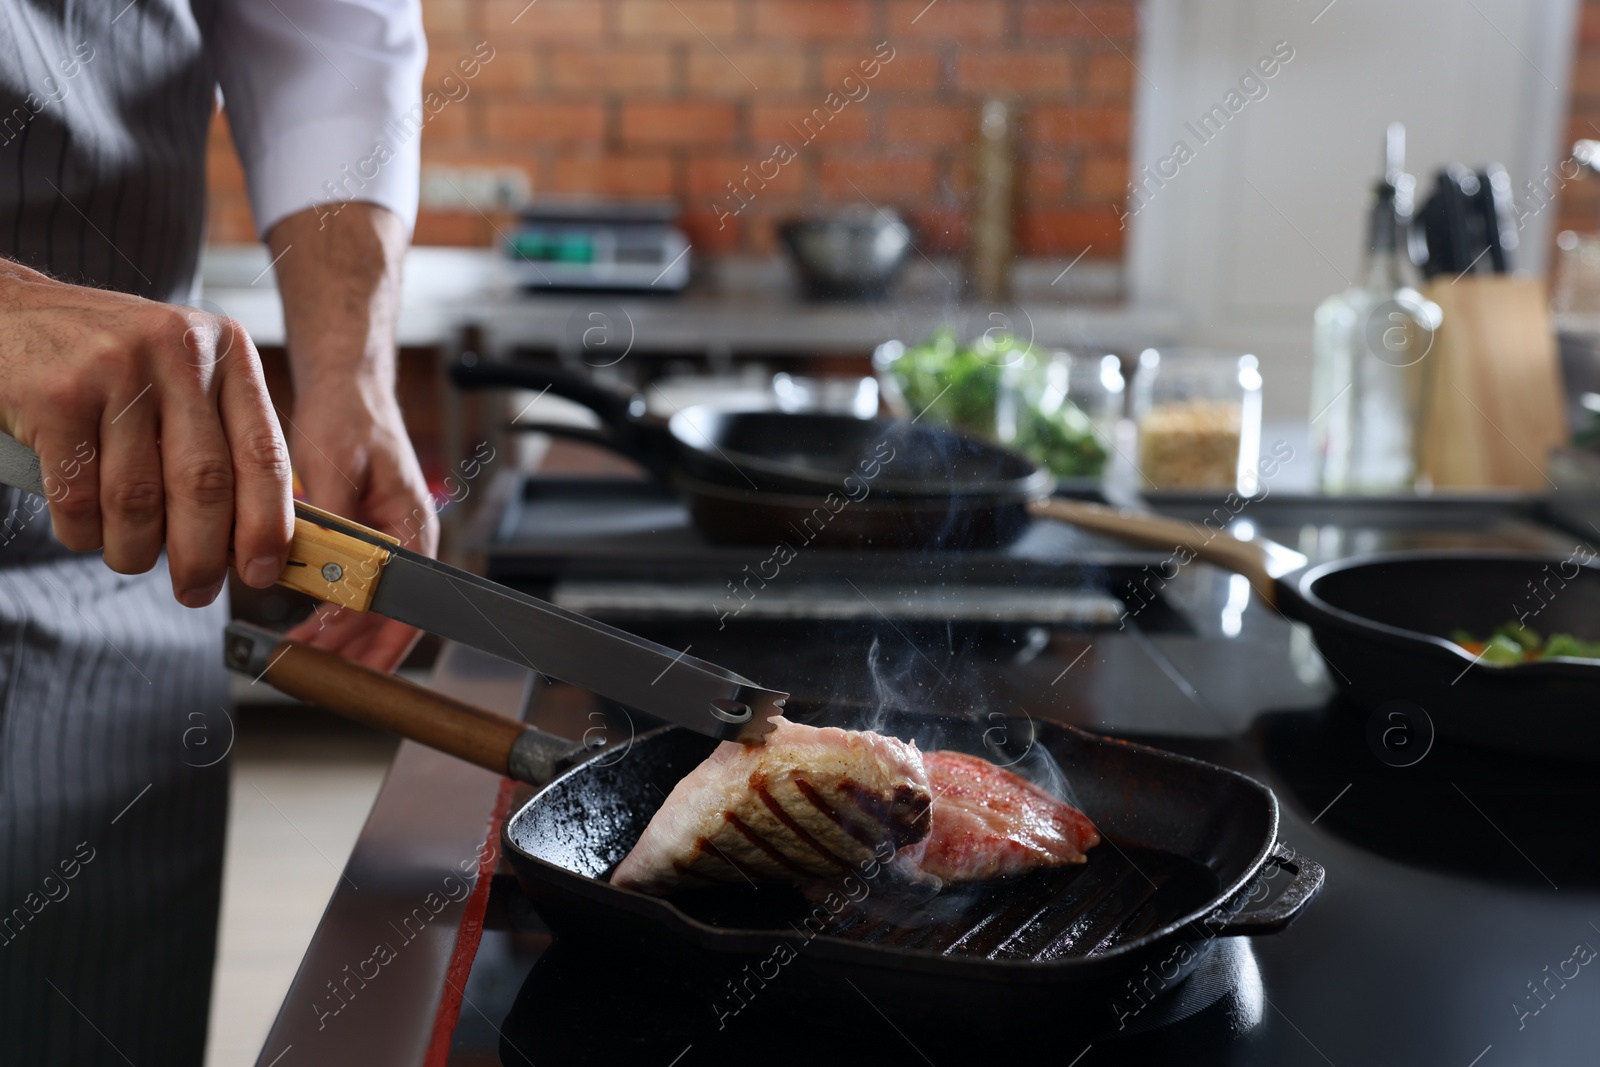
{"x":331,"y":565}
{"x":1155,"y":531}
{"x":394,"y":704}
{"x":323,"y":562}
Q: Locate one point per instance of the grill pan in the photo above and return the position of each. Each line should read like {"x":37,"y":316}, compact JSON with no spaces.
{"x":1184,"y":843}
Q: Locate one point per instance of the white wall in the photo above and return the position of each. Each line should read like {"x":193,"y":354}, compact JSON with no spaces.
{"x":1268,"y":218}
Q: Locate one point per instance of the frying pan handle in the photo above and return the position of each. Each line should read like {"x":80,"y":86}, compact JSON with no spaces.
{"x":1286,"y":906}
{"x":657,"y":461}
{"x":1250,"y":558}
{"x":494,"y":742}
{"x":633,"y":433}
{"x":616,"y":407}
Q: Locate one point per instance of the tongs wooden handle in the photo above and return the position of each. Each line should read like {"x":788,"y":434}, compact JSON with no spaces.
{"x":364,"y":695}
{"x":328,"y":562}
{"x":331,"y":558}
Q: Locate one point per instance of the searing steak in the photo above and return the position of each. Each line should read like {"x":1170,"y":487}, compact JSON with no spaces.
{"x":991,"y":823}
{"x":807,"y":803}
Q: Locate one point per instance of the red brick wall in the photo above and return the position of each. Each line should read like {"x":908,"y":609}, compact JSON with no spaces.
{"x":1579,"y":199}
{"x":653,"y":98}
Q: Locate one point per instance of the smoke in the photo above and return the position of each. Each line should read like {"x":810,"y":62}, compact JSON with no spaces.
{"x":1041,"y":768}
{"x":893,"y":685}
{"x":1011,"y":739}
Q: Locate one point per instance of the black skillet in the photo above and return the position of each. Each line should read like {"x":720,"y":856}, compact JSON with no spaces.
{"x":1189,"y":851}
{"x":1380,"y":623}
{"x":763,"y":477}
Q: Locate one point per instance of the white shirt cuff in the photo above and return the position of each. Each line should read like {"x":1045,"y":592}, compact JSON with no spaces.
{"x":324,"y":99}
{"x":324,"y":162}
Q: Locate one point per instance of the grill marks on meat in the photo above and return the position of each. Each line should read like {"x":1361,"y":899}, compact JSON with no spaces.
{"x":867,"y":816}
{"x":806,"y":803}
{"x":801,"y":835}
{"x":991,"y":823}
{"x":812,"y":804}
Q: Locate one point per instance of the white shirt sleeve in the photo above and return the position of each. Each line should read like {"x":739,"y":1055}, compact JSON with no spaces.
{"x":324,"y":100}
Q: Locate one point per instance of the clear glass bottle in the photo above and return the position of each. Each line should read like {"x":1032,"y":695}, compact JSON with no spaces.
{"x":1368,"y":342}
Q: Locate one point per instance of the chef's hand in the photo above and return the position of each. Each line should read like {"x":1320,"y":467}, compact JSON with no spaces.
{"x":152,"y":424}
{"x":339,"y":274}
{"x":359,"y":463}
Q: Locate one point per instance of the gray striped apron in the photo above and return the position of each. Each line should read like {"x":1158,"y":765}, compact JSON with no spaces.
{"x":113,"y":781}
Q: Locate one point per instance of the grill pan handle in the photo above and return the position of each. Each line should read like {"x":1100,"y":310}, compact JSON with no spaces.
{"x":1286,"y":906}
{"x":494,"y":742}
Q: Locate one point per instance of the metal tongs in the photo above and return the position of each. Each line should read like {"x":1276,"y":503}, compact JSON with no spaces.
{"x":344,"y":563}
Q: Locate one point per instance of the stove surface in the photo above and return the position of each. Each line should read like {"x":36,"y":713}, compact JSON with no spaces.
{"x":540,"y":529}
{"x":1461,"y":908}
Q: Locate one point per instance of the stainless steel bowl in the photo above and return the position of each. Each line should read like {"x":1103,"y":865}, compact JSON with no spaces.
{"x":851,"y":255}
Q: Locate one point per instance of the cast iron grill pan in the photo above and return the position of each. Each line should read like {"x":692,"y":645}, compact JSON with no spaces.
{"x":1123,"y":893}
{"x":1183,"y":839}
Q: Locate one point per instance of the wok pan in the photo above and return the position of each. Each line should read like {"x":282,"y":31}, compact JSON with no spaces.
{"x":1187,"y":847}
{"x":1379,"y":623}
{"x":761,"y":477}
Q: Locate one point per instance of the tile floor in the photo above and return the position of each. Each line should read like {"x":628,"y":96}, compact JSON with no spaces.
{"x":303,"y":782}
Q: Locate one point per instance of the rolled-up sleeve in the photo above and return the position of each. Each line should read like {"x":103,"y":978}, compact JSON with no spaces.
{"x":323,"y":99}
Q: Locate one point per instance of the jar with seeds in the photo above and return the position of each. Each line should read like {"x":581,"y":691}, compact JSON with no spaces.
{"x":1198,"y":417}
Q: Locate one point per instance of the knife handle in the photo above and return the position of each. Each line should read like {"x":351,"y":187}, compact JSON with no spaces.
{"x":364,"y":695}
{"x":327,"y":562}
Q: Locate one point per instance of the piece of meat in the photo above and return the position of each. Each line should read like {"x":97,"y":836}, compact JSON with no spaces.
{"x":990,"y":823}
{"x":806,"y":803}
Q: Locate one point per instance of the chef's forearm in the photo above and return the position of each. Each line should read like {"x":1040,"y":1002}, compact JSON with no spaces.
{"x":339,"y":278}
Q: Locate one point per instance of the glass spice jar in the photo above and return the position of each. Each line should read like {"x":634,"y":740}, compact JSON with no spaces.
{"x":1198,"y":419}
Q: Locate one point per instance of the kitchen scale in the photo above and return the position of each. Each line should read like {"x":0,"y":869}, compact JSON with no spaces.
{"x":596,"y":245}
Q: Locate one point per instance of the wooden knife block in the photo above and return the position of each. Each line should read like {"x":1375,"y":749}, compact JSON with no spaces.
{"x":1491,"y":404}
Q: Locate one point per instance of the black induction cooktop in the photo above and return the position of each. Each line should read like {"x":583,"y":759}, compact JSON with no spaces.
{"x":1457,"y":925}
{"x":538,"y":529}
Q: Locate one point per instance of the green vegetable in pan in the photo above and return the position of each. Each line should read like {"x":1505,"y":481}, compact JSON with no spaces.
{"x":1513,"y":642}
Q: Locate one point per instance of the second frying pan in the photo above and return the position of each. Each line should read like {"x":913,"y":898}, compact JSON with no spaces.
{"x":1380,"y":623}
{"x":764,"y":477}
